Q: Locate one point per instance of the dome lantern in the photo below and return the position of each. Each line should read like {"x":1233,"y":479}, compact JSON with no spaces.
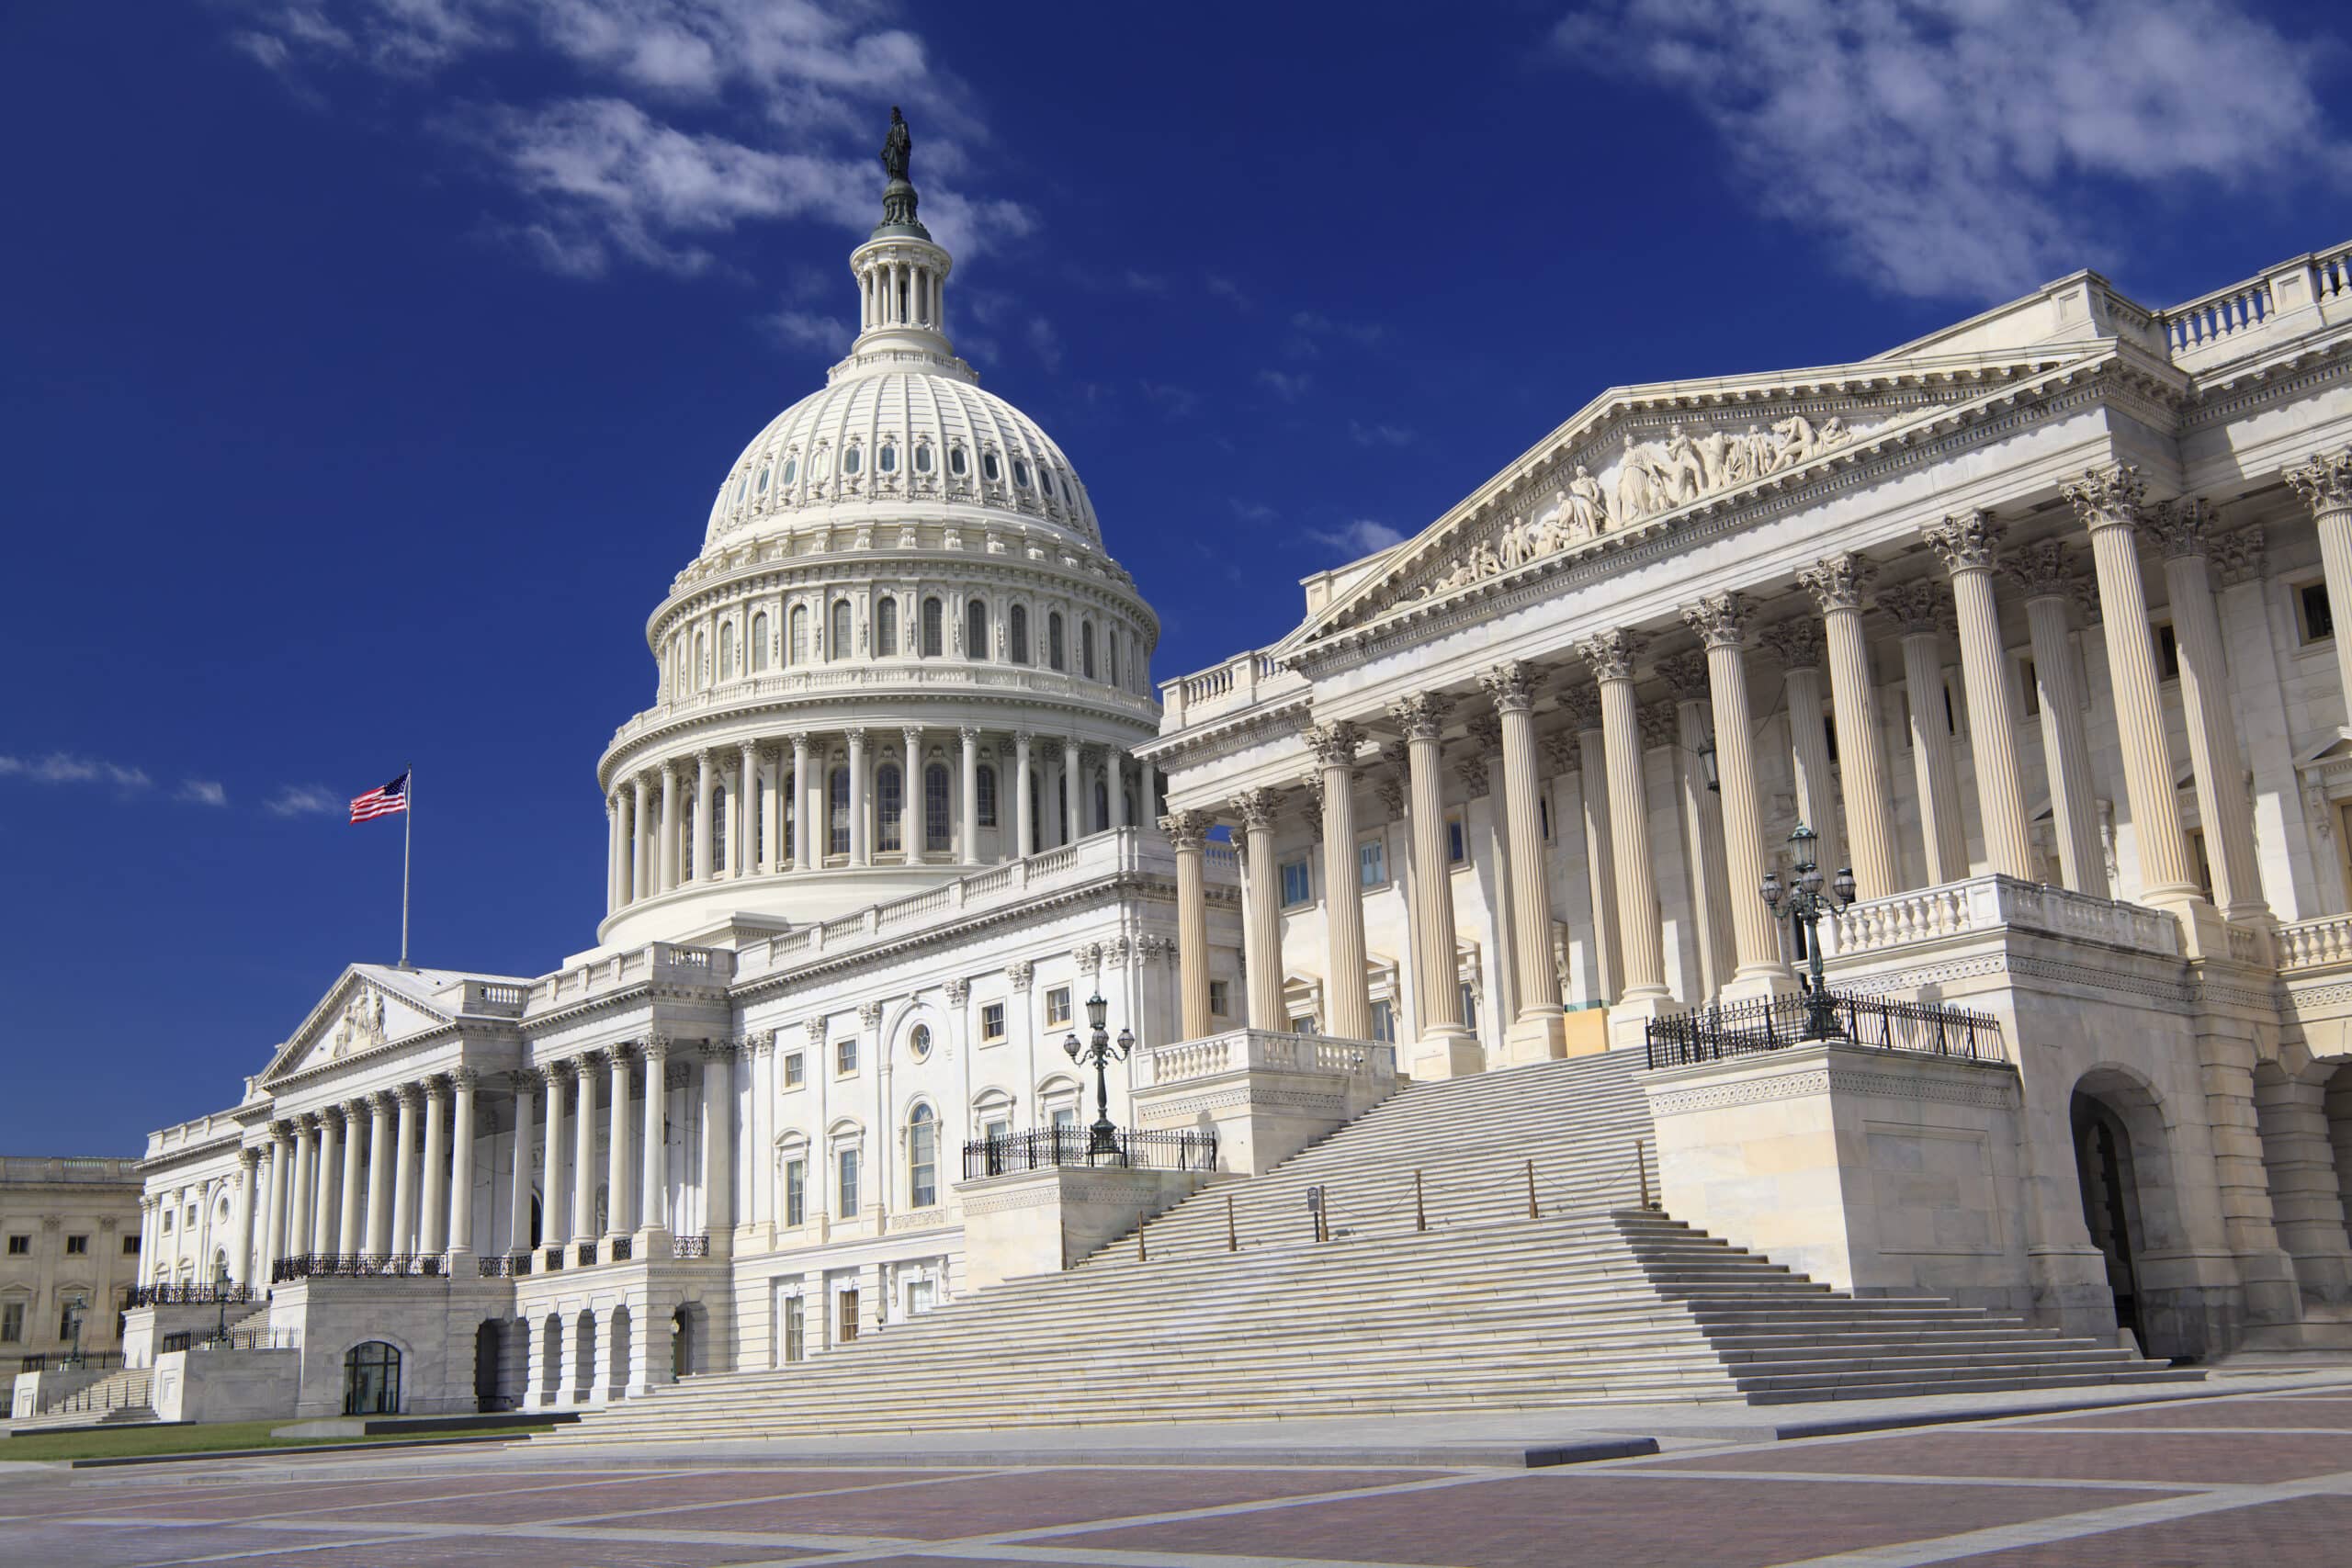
{"x":901,"y":278}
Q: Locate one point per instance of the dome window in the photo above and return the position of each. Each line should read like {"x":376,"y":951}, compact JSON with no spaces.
{"x":923,"y":459}
{"x":956,"y":462}
{"x":888,"y":460}
{"x":791,"y":471}
{"x":989,"y":469}
{"x":742,"y":489}
{"x":764,"y":481}
{"x":853,"y":458}
{"x":1020,"y":473}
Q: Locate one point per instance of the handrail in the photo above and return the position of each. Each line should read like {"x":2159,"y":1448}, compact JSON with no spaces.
{"x":1772,"y":1023}
{"x":1044,"y":1148}
{"x":189,"y":1296}
{"x":359,"y":1266}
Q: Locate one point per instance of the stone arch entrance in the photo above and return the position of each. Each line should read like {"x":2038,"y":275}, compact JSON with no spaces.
{"x":584,"y":1355}
{"x":371,"y":1379}
{"x":551,"y":1358}
{"x":616,"y":1337}
{"x":688,"y":1326}
{"x":2123,"y":1162}
{"x":490,"y":1360}
{"x":2103,"y":1167}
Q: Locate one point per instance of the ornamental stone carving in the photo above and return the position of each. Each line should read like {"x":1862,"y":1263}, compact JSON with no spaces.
{"x":1612,"y":654}
{"x":2043,"y":569}
{"x":1837,"y":583}
{"x":2181,"y":528}
{"x":1421,"y":715}
{"x":1258,"y":807}
{"x":1472,"y":770}
{"x":2111,"y":497}
{"x":1334,"y":744}
{"x":1560,"y":751}
{"x":1021,"y":973}
{"x":816,"y":1028}
{"x":1659,"y":726}
{"x":2239,"y":556}
{"x":1685,"y":675}
{"x":2325,"y":482}
{"x":1187,"y":831}
{"x":1919,"y":608}
{"x":1580,"y":703}
{"x":1089,"y":957}
{"x":1311,"y":803}
{"x":1967,"y":541}
{"x":1509,"y":685}
{"x":1796,"y":642}
{"x":958,"y":992}
{"x":1720,"y":620}
{"x":869,"y":1015}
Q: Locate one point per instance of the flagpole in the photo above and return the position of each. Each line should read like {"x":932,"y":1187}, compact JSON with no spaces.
{"x":407,"y":836}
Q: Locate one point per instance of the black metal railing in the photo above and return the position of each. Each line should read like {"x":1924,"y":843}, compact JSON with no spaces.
{"x":172,"y":1342}
{"x":553,"y":1260}
{"x":623,"y":1248}
{"x":189,"y":1296}
{"x":1045,"y":1147}
{"x":690,"y":1246}
{"x":67,"y":1361}
{"x":1768,"y":1023}
{"x":503,"y":1265}
{"x":239,"y":1339}
{"x":586,"y":1252}
{"x":359,"y":1266}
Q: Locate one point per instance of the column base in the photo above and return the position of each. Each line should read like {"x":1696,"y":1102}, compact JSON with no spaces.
{"x":1538,"y":1034}
{"x":1773,"y":981}
{"x":1629,"y":1015}
{"x":1450,"y":1052}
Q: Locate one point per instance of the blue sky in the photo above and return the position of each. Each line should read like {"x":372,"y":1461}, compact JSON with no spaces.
{"x":367,"y":369}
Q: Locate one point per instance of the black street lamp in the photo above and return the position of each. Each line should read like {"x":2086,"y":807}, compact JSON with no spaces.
{"x":1103,"y":1136}
{"x":1807,"y":904}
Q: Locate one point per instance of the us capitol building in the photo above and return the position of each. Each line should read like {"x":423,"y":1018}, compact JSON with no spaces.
{"x":2028,"y":622}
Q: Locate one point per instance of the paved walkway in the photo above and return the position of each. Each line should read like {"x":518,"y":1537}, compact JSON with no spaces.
{"x":2259,"y":1475}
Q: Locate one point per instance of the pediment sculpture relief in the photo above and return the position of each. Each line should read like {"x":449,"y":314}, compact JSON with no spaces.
{"x":362,"y":1026}
{"x":1652,"y":477}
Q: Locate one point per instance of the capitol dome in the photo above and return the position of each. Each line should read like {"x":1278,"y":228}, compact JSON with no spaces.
{"x":902,"y":653}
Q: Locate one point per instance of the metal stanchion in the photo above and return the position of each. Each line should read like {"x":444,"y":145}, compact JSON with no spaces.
{"x":1421,"y":1213}
{"x":1533,"y":1213}
{"x":1231,"y":1243}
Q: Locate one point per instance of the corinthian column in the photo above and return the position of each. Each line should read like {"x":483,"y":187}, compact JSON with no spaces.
{"x":1836,"y":584}
{"x":583,"y":1151}
{"x":718,"y":1144}
{"x":1262,"y":909}
{"x":2325,"y":485}
{"x":348,"y":1237}
{"x":1640,"y":926}
{"x":743,"y":854}
{"x":968,"y":820}
{"x":1025,"y":838}
{"x":2182,"y":530}
{"x":618,"y":1188}
{"x":379,"y":1175}
{"x":1967,"y":543}
{"x":404,"y":1174}
{"x":1188,"y":831}
{"x":651,"y":1150}
{"x":241,"y":1238}
{"x":554,"y":1216}
{"x":641,"y":842}
{"x":1445,"y":1048}
{"x":461,"y":1161}
{"x":2043,"y":574}
{"x":1538,"y":1031}
{"x":432,"y":1210}
{"x":1720,"y":620}
{"x":703,"y":870}
{"x":1702,"y":821}
{"x":669,"y":828}
{"x":1346,"y":998}
{"x":1581,"y":700}
{"x":1073,"y":813}
{"x":1918,"y":609}
{"x":2109,"y":501}
{"x":808,"y":810}
{"x":526,"y":1083}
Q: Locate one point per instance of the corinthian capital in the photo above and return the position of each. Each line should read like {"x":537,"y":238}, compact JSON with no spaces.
{"x":2110,"y":497}
{"x":1187,"y":829}
{"x":1258,"y":807}
{"x":1837,"y":582}
{"x":2325,"y":482}
{"x":1509,"y":685}
{"x":1719,"y":619}
{"x":2042,"y":569}
{"x":1334,"y":744}
{"x":1612,"y":654}
{"x":1581,"y":700}
{"x":1685,"y":675}
{"x":2183,"y":527}
{"x":1421,"y":715}
{"x":1967,"y":541}
{"x":1919,"y":608}
{"x":1796,"y":642}
{"x":2238,"y":554}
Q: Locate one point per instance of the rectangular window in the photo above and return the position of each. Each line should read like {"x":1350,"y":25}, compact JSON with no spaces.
{"x":996,"y":1129}
{"x":795,"y":1190}
{"x":795,"y":1330}
{"x":987,"y":792}
{"x":166,"y":1217}
{"x":2315,"y":616}
{"x":1457,"y":841}
{"x":76,"y":1245}
{"x":845,"y":1183}
{"x":19,"y":1246}
{"x":845,"y":1321}
{"x":845,"y":1056}
{"x":1057,"y":1006}
{"x":130,"y":1246}
{"x":1372,"y":864}
{"x":1384,"y":1022}
{"x":918,"y":1296}
{"x":1469,"y":1007}
{"x":12,"y":1322}
{"x":992,"y":1021}
{"x":1065,"y":1116}
{"x":1302,"y":1024}
{"x":1297,"y":886}
{"x":1218,"y":999}
{"x":795,"y":1069}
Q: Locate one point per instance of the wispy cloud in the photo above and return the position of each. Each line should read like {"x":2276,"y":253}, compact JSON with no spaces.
{"x":69,"y":768}
{"x":810,"y":329}
{"x":1044,"y":341}
{"x":1314,"y":323}
{"x":1975,"y":148}
{"x":1285,"y":385}
{"x":1361,"y":537}
{"x":1144,"y":282}
{"x":1174,"y":400}
{"x":1379,"y":434}
{"x":659,"y":129}
{"x":202,"y":792}
{"x":304,"y":800}
{"x":1225,"y":289}
{"x":1253,"y":511}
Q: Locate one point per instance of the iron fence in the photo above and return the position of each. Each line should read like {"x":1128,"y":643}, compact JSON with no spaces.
{"x":1043,"y":1148}
{"x":67,"y":1361}
{"x":503,"y":1265}
{"x":690,"y":1246}
{"x":189,"y":1296}
{"x":623,"y":1248}
{"x":1768,"y":1023}
{"x":359,"y":1266}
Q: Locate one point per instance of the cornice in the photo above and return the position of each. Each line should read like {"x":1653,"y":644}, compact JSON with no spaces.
{"x":1276,"y":721}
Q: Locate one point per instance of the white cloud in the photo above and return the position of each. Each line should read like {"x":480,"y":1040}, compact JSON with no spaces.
{"x":1144,"y":282}
{"x":1970,"y":147}
{"x":811,"y":328}
{"x":1177,"y":400}
{"x":65,"y":768}
{"x":202,"y":792}
{"x":1379,"y":434}
{"x":1361,"y":537}
{"x":1284,"y":385}
{"x":1316,"y":325}
{"x":1225,"y":289}
{"x":304,"y":800}
{"x":1253,"y":511}
{"x":1045,"y":343}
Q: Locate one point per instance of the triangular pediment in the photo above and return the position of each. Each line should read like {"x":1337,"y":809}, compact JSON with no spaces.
{"x":369,"y":1005}
{"x":1638,"y":461}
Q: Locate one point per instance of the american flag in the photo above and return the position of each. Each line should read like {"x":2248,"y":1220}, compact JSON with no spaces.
{"x":382,"y":802}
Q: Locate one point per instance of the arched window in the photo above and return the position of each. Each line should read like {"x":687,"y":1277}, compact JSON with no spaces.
{"x":1020,"y":634}
{"x":686,"y":837}
{"x":957,"y":464}
{"x":726,"y":649}
{"x":1054,"y":653}
{"x":1020,"y":473}
{"x":718,"y":828}
{"x":934,"y":628}
{"x":885,"y":629}
{"x":763,"y":480}
{"x":889,"y":801}
{"x":923,"y":459}
{"x":1110,"y":648}
{"x":797,"y":649}
{"x":791,"y":471}
{"x":371,"y":1379}
{"x":852,"y":459}
{"x":837,"y":634}
{"x":760,"y":641}
{"x":837,"y":812}
{"x":990,"y":469}
{"x":938,"y":826}
{"x":887,"y":459}
{"x":702,"y":658}
{"x":1101,"y":806}
{"x":923,"y":1157}
{"x":792,"y":820}
{"x":987,"y":792}
{"x":1085,"y":649}
{"x":976,"y":630}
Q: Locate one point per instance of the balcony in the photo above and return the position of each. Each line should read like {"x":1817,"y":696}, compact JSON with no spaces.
{"x":1772,"y":1023}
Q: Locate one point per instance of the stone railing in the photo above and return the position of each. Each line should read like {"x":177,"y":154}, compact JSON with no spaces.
{"x":494,"y":996}
{"x":1257,"y":1050}
{"x":2230,"y":318}
{"x":2324,"y":942}
{"x":1240,"y":681}
{"x":934,"y":675}
{"x":29,"y":1169}
{"x":1985,"y":903}
{"x":666,"y":960}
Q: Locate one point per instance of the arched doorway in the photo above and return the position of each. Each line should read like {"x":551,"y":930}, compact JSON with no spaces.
{"x":489,"y":1362}
{"x":2110,"y":1191}
{"x":584,"y":1355}
{"x":616,"y":1364}
{"x":686,"y":1340}
{"x":550,"y":1359}
{"x":371,"y":1379}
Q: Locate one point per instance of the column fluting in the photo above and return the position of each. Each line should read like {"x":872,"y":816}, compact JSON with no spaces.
{"x":1346,"y":994}
{"x":1967,"y":543}
{"x":1837,"y":583}
{"x":1640,"y":928}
